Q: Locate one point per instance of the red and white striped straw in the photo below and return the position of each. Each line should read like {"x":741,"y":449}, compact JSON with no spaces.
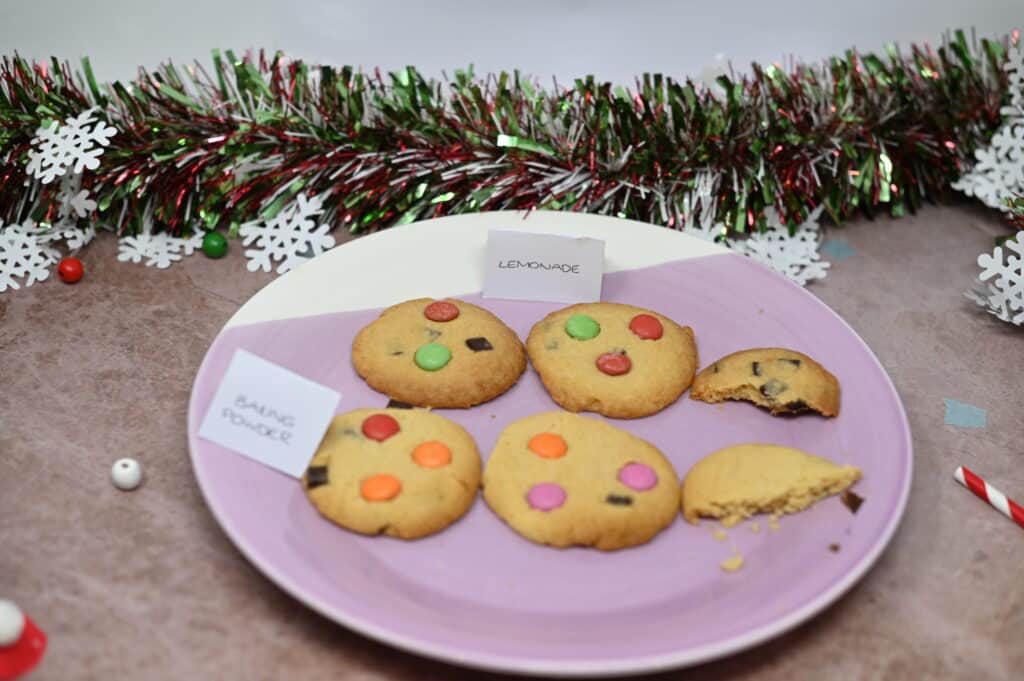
{"x":994,"y":497}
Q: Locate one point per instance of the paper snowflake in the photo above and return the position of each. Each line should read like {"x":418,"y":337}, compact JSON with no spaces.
{"x":1000,"y":286}
{"x":291,"y":237}
{"x":158,"y":250}
{"x":74,"y":202}
{"x":998,"y":174}
{"x":73,"y":237}
{"x":22,"y":256}
{"x":77,"y":144}
{"x":795,"y":256}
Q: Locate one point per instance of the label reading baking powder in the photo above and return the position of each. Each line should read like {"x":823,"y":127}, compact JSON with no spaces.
{"x":544,"y":267}
{"x":268,"y":413}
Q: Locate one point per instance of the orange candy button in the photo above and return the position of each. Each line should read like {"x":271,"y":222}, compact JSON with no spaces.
{"x":548,"y":445}
{"x":432,"y":454}
{"x":380,"y":488}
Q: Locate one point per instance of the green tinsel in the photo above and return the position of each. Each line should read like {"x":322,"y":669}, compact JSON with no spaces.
{"x":859,"y":132}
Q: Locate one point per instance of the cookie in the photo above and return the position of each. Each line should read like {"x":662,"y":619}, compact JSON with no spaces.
{"x":566,"y":480}
{"x":438,"y":353}
{"x":405,"y":473}
{"x":782,"y":381}
{"x":740,"y":481}
{"x":618,"y":360}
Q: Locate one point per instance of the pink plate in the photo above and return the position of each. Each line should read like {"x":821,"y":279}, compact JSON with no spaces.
{"x":479,"y":595}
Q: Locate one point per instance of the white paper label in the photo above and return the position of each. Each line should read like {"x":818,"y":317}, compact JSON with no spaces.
{"x":268,"y":413}
{"x":545,"y":267}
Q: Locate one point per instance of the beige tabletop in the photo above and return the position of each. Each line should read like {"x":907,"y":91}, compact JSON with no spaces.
{"x":145,"y":585}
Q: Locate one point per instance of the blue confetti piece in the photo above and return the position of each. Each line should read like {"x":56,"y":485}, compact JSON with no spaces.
{"x":837,"y":249}
{"x":964,"y":415}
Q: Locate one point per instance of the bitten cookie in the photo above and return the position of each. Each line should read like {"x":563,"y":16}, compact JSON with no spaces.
{"x":617,"y":360}
{"x":406,"y":473}
{"x":782,"y":381}
{"x":438,"y":353}
{"x":737,"y":482}
{"x":567,"y":480}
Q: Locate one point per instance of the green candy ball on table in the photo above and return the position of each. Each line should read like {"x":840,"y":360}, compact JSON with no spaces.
{"x":215,"y":245}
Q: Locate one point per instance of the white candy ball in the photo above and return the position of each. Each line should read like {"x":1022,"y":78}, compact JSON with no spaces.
{"x":126,"y":474}
{"x":12,"y":623}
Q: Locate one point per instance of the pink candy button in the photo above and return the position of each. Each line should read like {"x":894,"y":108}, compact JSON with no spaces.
{"x":638,"y":476}
{"x":546,"y":496}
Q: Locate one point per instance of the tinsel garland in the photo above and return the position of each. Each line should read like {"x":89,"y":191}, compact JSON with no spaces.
{"x":1016,"y":213}
{"x":199,"y":149}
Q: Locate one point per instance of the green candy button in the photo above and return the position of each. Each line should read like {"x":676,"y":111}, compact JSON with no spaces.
{"x":432,"y":356}
{"x":582,"y":327}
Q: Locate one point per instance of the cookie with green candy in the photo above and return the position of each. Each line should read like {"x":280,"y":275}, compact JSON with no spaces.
{"x":438,"y":353}
{"x":617,"y":360}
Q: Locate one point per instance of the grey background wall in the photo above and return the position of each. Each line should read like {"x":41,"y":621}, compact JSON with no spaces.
{"x":613,"y":40}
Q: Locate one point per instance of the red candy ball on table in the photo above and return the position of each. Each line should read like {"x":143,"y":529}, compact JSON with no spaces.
{"x":614,"y":363}
{"x":22,"y":643}
{"x":70,"y":270}
{"x":380,"y":427}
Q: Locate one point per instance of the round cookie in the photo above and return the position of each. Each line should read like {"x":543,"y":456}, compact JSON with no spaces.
{"x":567,"y":480}
{"x":438,"y":353}
{"x":782,"y":381}
{"x":406,"y":473}
{"x":618,"y":360}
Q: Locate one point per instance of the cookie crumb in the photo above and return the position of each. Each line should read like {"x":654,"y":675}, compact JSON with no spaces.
{"x":851,"y":500}
{"x":731,"y":564}
{"x":834,"y":548}
{"x":773,"y":522}
{"x":720,"y":535}
{"x":755,"y":527}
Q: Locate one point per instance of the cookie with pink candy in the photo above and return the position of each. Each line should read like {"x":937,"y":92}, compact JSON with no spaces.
{"x":567,"y":480}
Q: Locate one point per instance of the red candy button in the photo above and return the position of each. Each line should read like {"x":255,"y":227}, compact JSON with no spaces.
{"x":614,"y":364}
{"x":380,"y":427}
{"x":441,"y":311}
{"x":646,"y":326}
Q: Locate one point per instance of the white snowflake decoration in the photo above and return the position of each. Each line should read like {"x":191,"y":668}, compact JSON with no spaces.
{"x":999,"y":172}
{"x":795,"y":256}
{"x":73,"y":237}
{"x":74,"y":201}
{"x":23,"y":257}
{"x":75,"y":145}
{"x":74,"y":204}
{"x":1003,"y":294}
{"x":291,"y":237}
{"x":158,"y":250}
